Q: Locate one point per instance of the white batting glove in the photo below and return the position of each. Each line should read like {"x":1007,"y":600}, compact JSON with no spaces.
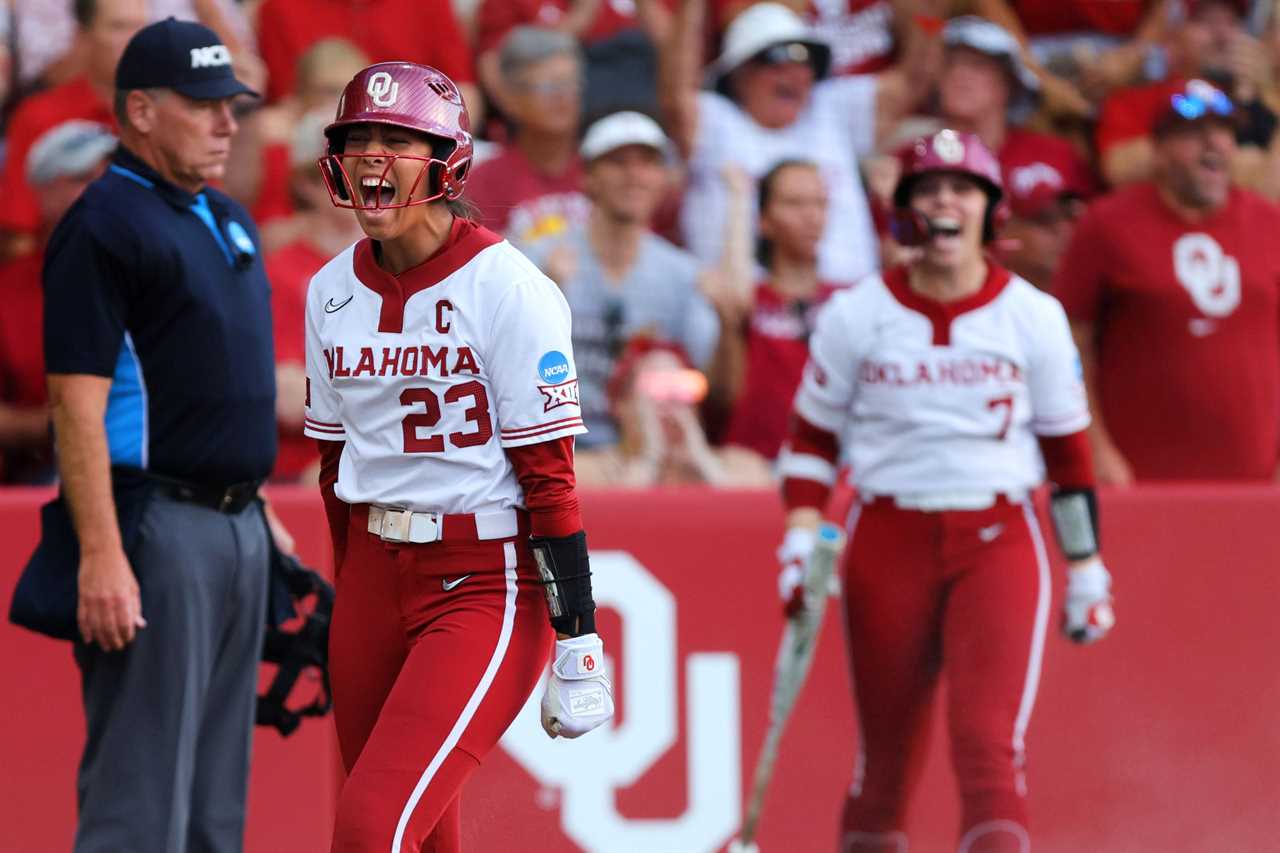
{"x":793,"y":555}
{"x":579,"y":695}
{"x":1086,"y":613}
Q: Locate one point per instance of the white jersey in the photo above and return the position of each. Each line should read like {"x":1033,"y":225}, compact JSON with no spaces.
{"x":928,"y":397}
{"x":428,"y":388}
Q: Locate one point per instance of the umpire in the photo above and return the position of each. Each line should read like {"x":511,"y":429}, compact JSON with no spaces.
{"x":161,"y":383}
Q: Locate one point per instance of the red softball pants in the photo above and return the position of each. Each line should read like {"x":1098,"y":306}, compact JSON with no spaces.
{"x":426,"y":679}
{"x":957,"y":594}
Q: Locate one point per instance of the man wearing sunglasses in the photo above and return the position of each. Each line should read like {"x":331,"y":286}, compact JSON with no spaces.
{"x":1173,"y":291}
{"x":772,"y":101}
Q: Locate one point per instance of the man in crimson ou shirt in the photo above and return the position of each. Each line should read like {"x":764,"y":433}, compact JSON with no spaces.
{"x":1173,"y":289}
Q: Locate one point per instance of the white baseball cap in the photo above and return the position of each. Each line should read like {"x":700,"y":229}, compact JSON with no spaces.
{"x":70,"y":148}
{"x":620,"y":129}
{"x":990,"y":38}
{"x":758,"y":28}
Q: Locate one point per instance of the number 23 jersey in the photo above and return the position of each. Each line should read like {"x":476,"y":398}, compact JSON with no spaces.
{"x":927,"y":397}
{"x":429,"y":375}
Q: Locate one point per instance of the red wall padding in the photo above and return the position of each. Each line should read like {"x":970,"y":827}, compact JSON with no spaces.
{"x":1166,"y":737}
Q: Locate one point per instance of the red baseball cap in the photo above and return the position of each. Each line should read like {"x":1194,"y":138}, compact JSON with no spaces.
{"x":1041,"y":180}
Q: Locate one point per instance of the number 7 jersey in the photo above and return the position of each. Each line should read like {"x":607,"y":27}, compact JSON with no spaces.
{"x":429,"y":375}
{"x":929,"y":397}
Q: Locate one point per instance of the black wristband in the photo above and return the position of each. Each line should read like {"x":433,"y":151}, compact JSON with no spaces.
{"x":1075,"y":521}
{"x":565,"y":570}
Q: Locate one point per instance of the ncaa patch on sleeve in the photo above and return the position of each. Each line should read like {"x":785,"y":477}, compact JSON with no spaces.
{"x":553,"y":368}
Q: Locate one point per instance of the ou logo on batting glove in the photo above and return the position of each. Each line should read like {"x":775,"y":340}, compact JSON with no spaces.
{"x":588,"y":663}
{"x":382,"y":89}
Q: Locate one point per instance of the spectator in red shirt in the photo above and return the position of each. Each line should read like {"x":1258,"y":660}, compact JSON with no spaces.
{"x":61,"y":163}
{"x":1213,"y":43}
{"x":764,"y":337}
{"x":533,"y":187}
{"x":422,"y":31}
{"x":105,"y":28}
{"x":1173,"y":289}
{"x":322,"y":232}
{"x":1045,"y":199}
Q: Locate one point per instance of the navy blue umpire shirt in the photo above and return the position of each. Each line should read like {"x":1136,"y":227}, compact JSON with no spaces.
{"x":164,"y":292}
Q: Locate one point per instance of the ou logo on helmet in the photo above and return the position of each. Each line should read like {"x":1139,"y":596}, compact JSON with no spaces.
{"x":382,"y":89}
{"x":588,"y":771}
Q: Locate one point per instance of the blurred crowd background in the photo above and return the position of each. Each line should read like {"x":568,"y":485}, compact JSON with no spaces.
{"x":698,"y":175}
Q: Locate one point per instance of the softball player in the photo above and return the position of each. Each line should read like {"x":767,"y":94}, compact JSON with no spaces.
{"x":949,"y":385}
{"x":442,"y":388}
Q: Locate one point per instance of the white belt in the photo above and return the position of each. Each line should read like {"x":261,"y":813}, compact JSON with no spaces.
{"x":940,"y":501}
{"x":403,"y":525}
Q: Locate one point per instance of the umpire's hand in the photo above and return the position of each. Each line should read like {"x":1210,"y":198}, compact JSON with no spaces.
{"x":109,"y":610}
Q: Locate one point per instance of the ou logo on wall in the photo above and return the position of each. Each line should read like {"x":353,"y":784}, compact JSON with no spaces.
{"x":590,"y":769}
{"x":1210,"y":275}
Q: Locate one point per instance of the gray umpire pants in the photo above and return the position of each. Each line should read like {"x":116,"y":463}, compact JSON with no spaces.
{"x":170,"y":718}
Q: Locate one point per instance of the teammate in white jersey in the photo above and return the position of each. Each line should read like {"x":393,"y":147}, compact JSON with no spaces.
{"x":947,"y":386}
{"x":441,"y":385}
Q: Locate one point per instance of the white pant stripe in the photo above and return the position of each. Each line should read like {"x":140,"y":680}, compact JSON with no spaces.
{"x":468,"y":711}
{"x":1032,"y":683}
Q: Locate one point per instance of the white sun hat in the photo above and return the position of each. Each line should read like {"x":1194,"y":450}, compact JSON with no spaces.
{"x":759,"y":28}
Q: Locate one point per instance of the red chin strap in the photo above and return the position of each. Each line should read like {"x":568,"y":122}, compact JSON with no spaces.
{"x":344,"y":192}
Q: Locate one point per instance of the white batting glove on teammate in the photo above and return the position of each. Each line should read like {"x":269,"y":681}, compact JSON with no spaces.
{"x":793,"y":555}
{"x":579,"y":694}
{"x":1086,"y":613}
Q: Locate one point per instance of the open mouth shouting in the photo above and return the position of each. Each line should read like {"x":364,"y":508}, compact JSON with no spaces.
{"x":376,"y":191}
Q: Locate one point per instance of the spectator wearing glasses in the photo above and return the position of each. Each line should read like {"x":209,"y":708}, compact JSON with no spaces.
{"x":533,"y":187}
{"x":772,"y":101}
{"x":1172,"y":289}
{"x":620,"y":279}
{"x":1214,"y":44}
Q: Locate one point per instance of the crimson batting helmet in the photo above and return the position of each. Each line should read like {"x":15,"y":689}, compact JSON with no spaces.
{"x":410,"y":96}
{"x":946,"y":151}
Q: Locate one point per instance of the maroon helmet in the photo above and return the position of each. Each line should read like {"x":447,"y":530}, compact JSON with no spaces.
{"x":946,"y":151}
{"x":416,"y":97}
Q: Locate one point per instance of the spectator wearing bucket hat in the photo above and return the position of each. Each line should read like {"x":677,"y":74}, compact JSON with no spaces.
{"x":162,"y":393}
{"x":1172,"y":286}
{"x":620,"y":279}
{"x":770,"y":99}
{"x":61,"y":163}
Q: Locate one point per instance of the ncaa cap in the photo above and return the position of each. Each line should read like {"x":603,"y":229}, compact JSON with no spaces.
{"x":184,"y":56}
{"x":74,"y":147}
{"x":621,"y":129}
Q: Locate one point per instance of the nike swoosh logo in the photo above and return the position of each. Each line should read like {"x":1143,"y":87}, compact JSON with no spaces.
{"x":331,"y":306}
{"x":450,"y":584}
{"x":989,"y":534}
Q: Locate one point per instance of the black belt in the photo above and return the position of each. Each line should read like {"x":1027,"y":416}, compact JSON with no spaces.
{"x":229,"y":499}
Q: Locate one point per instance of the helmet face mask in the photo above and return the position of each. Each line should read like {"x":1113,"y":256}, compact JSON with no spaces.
{"x":946,"y":151}
{"x":413,"y":97}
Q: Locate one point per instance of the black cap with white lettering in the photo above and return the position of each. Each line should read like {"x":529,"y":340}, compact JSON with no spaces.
{"x":180,"y":55}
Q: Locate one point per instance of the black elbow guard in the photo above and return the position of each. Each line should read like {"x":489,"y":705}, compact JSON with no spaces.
{"x":1075,"y":521}
{"x":566,"y":576}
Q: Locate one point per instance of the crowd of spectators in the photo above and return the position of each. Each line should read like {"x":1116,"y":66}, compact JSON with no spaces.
{"x":700,"y":175}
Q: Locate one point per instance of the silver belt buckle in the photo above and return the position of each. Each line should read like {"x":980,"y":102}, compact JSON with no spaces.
{"x":402,"y":525}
